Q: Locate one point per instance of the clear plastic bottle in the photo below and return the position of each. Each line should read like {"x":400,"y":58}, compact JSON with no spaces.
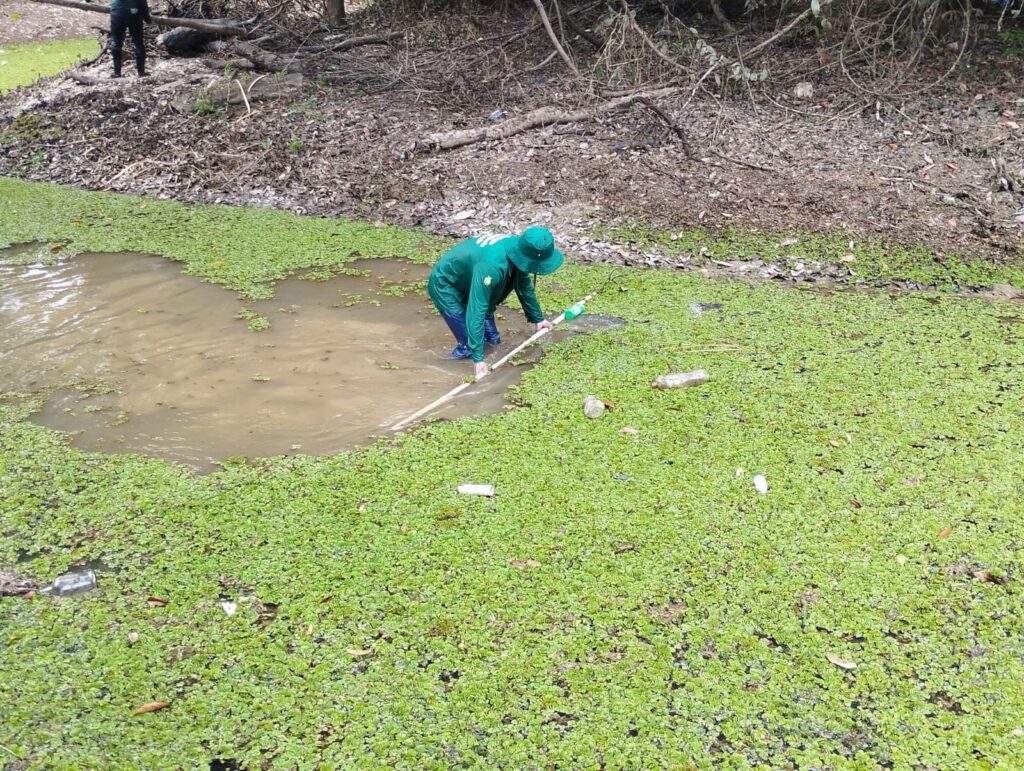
{"x":71,"y":583}
{"x":681,"y":379}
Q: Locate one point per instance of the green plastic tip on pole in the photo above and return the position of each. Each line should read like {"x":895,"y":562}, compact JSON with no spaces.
{"x":574,"y":311}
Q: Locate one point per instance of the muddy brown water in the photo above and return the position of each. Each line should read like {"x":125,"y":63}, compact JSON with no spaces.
{"x":190,"y":381}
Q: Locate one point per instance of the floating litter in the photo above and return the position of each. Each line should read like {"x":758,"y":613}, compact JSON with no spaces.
{"x":484,"y":490}
{"x":681,"y":379}
{"x":71,"y":583}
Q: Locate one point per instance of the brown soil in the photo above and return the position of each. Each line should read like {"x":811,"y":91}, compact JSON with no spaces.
{"x":22,"y":21}
{"x":944,"y":169}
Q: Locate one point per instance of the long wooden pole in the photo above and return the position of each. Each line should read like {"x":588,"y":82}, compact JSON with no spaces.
{"x":503,"y":360}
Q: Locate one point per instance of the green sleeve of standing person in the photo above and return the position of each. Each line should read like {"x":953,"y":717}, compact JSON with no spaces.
{"x":528,"y":298}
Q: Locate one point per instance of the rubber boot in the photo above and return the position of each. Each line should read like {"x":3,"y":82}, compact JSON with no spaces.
{"x":461,"y":352}
{"x":117,"y":65}
{"x":140,"y":66}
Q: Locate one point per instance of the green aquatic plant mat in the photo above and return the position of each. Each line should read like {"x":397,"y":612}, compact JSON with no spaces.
{"x":243,"y":249}
{"x":627,"y":600}
{"x":23,"y":63}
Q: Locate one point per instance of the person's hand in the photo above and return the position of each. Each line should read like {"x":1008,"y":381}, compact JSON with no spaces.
{"x":543,"y":325}
{"x":480,"y":368}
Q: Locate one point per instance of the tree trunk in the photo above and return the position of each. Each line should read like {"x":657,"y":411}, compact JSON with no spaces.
{"x":335,"y":12}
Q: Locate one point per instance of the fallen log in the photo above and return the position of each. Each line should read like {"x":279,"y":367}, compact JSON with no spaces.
{"x":184,"y":40}
{"x":223,"y":65}
{"x":542,"y":116}
{"x":86,"y":80}
{"x":549,"y":116}
{"x":244,"y":89}
{"x":365,"y":40}
{"x":222,"y":27}
{"x":263,"y":59}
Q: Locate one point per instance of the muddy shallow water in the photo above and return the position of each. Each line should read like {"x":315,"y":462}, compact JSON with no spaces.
{"x":131,"y":355}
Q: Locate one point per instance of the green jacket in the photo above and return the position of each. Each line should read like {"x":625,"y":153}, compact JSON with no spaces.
{"x":473,"y":278}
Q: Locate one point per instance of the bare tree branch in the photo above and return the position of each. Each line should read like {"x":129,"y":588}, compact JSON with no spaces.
{"x":554,"y":38}
{"x":542,"y":116}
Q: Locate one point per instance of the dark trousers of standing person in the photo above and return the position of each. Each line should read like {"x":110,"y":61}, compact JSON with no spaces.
{"x":121,"y":21}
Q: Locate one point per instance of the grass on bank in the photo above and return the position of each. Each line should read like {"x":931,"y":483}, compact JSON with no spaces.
{"x":24,"y":63}
{"x":834,"y":255}
{"x":245,"y":250}
{"x":626,"y":601}
{"x":853,"y":261}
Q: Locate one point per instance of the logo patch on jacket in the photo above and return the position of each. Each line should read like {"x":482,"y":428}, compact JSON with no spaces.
{"x":488,"y":239}
{"x":487,"y":280}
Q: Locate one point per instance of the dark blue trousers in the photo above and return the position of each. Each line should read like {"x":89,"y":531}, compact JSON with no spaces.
{"x":457,"y":324}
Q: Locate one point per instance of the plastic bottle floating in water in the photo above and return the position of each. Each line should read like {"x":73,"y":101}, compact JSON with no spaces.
{"x":574,"y":311}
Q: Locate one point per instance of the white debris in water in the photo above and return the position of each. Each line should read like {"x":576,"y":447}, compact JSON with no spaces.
{"x":761,"y":484}
{"x":681,"y":379}
{"x":593,"y":407}
{"x":71,"y":583}
{"x":471,"y":489}
{"x":229,"y":607}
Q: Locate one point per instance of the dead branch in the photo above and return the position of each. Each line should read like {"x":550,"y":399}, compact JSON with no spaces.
{"x":678,"y":130}
{"x":749,"y":56}
{"x":631,"y":20}
{"x":225,"y":27}
{"x":542,"y":116}
{"x":365,"y":40}
{"x":103,"y":50}
{"x":894,"y":72}
{"x":739,"y":162}
{"x":554,"y":38}
{"x":245,"y":98}
{"x":583,"y":32}
{"x":352,"y":42}
{"x":716,"y":8}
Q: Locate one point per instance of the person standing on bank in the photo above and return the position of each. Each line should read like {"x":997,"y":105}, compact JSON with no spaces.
{"x":128,"y":16}
{"x":475,"y":276}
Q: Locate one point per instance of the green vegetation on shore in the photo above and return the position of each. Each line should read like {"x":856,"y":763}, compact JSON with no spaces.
{"x":859,"y":262}
{"x":243,"y":249}
{"x":23,"y":63}
{"x":627,"y":600}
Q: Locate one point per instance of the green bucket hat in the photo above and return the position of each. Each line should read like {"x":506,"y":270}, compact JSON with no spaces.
{"x":534,"y":252}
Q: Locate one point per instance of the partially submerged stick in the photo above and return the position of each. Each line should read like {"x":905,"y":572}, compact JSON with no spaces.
{"x":503,"y":360}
